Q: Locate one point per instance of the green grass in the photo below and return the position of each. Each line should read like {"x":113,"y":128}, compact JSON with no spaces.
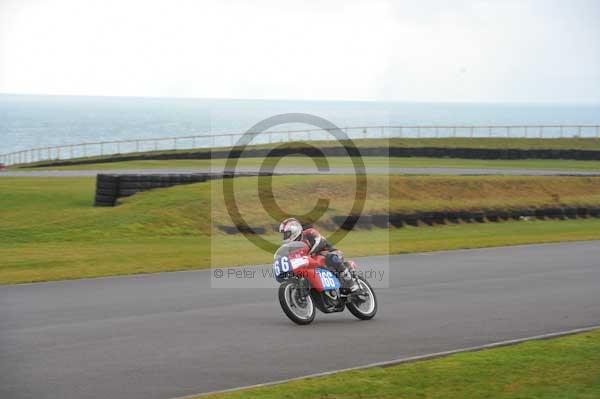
{"x":342,"y":162}
{"x":504,"y":143}
{"x":566,"y":367}
{"x":50,"y":231}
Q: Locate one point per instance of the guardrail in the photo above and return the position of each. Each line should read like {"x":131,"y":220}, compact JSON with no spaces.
{"x":103,"y":148}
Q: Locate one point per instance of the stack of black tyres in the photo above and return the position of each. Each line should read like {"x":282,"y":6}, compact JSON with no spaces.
{"x":107,"y":190}
{"x":111,"y":187}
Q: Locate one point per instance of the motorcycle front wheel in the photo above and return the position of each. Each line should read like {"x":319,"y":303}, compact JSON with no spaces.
{"x":363,"y":305}
{"x":298,"y":308}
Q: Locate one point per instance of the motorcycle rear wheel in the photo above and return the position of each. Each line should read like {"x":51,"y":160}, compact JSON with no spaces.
{"x":297,"y":308}
{"x":364,"y":310}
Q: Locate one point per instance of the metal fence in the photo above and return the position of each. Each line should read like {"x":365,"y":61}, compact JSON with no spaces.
{"x":106,"y":148}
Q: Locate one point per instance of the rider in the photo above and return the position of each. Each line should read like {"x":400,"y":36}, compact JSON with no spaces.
{"x":293,"y":231}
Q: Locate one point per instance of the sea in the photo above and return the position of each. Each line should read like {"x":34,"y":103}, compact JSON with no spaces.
{"x":34,"y":121}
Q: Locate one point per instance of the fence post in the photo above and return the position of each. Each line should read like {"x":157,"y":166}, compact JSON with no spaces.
{"x":579,"y":131}
{"x":597,"y":131}
{"x":174,"y":144}
{"x":454,"y":131}
{"x":541,"y":132}
{"x":508,"y":131}
{"x":101,"y":149}
{"x":561,"y":131}
{"x":472,"y":131}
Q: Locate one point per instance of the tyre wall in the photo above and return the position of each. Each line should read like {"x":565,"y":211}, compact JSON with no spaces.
{"x":110,"y":187}
{"x":430,"y":152}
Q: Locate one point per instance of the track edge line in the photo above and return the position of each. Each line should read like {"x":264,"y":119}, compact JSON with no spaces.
{"x":403,"y":360}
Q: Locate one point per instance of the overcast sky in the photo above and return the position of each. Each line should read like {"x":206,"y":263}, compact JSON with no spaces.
{"x":515,"y":50}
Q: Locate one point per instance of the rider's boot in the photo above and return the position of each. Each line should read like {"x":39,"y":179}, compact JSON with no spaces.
{"x":348,"y":281}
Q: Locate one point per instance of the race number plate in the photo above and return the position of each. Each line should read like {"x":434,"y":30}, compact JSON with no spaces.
{"x":329,"y":281}
{"x":282,"y":265}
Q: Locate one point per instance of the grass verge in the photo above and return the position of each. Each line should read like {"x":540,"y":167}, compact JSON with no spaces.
{"x":50,"y":231}
{"x":566,"y":367}
{"x":58,"y":260}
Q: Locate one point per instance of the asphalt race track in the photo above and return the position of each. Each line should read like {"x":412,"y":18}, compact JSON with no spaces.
{"x":169,"y":334}
{"x":311,"y":171}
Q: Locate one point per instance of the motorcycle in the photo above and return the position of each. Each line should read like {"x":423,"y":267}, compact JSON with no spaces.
{"x":306,"y":283}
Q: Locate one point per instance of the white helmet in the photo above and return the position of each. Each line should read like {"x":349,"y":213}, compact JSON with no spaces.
{"x":291,"y":229}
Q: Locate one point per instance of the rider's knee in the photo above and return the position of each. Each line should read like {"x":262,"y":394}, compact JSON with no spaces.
{"x":334,"y":260}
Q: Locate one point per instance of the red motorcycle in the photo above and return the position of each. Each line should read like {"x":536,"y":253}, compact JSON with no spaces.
{"x":307,"y":283}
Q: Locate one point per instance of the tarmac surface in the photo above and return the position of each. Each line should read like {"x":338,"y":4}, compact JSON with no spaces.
{"x":170,"y":334}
